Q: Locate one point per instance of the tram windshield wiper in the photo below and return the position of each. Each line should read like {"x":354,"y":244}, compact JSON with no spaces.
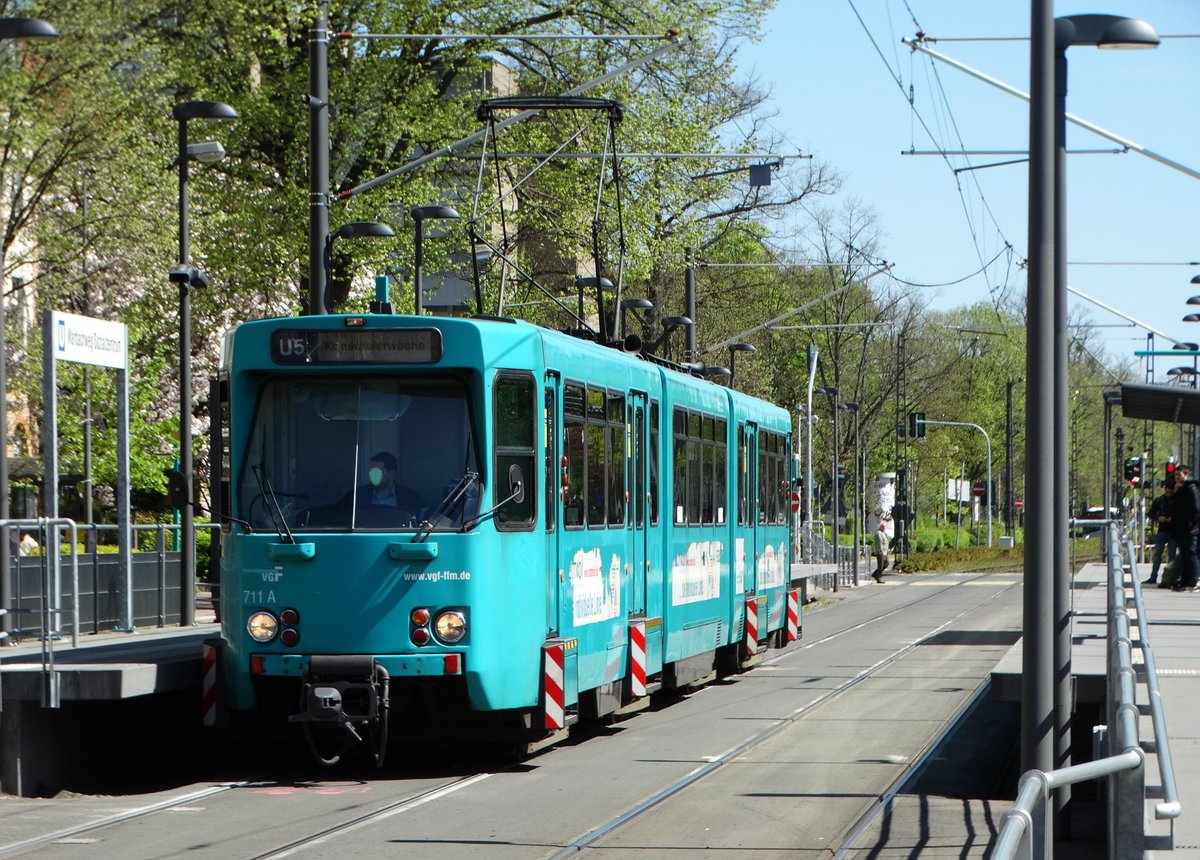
{"x":278,"y":518}
{"x":457,"y":492}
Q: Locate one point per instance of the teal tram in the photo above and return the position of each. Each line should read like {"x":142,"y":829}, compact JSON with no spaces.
{"x":483,"y":529}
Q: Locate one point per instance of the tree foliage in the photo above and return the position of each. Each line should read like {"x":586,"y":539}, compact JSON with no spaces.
{"x":89,"y":203}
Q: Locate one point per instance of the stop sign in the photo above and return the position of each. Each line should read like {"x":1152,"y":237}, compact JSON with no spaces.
{"x":977,"y":489}
{"x":795,"y":503}
{"x":1020,"y":503}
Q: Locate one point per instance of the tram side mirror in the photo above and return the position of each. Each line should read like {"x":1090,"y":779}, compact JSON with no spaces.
{"x":177,"y":492}
{"x":516,"y":483}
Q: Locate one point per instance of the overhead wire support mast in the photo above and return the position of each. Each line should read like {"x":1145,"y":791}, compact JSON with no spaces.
{"x":918,"y":45}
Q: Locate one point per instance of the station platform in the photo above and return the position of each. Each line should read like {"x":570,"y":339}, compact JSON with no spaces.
{"x":1174,"y":634}
{"x":913,"y":825}
{"x":103,"y":668}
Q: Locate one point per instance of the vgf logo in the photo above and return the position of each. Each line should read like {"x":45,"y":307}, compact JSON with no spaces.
{"x":62,"y":335}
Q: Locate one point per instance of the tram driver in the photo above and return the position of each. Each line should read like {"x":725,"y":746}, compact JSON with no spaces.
{"x":383,"y":501}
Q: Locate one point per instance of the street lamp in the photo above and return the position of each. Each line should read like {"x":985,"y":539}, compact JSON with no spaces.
{"x":420,"y":214}
{"x":852,"y":406}
{"x":1046,"y":674}
{"x":10,"y":28}
{"x":734,"y":349}
{"x":350,"y":230}
{"x":832,"y":391}
{"x":188,"y":279}
{"x":26,"y":28}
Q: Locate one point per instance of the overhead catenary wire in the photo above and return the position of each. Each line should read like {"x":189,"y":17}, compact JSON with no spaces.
{"x":933,"y":137}
{"x":1006,"y":249}
{"x":502,"y":37}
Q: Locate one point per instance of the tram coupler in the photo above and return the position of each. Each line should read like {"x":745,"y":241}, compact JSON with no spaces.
{"x":343,"y":689}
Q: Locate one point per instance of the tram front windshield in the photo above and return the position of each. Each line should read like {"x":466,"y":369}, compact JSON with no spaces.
{"x":348,"y":454}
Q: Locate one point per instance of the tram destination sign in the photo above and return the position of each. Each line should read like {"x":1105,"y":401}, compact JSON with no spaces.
{"x":356,"y":346}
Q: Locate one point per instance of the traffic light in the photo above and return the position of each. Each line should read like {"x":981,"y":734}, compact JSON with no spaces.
{"x":841,"y":474}
{"x":916,"y":425}
{"x":1169,"y":472}
{"x":1133,"y":471}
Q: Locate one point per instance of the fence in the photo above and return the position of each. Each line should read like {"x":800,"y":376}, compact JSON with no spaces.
{"x":90,"y":593}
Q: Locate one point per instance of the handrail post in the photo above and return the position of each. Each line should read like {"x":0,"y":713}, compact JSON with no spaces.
{"x":160,"y":549}
{"x":1127,"y":799}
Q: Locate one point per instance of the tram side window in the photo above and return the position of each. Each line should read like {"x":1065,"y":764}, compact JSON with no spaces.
{"x":771,"y":478}
{"x":783,"y":483}
{"x":616,"y":433}
{"x":516,"y":445}
{"x":742,"y":478}
{"x":595,"y":457}
{"x":764,"y":478}
{"x":653,"y":463}
{"x":573,"y":451}
{"x":707,"y":484}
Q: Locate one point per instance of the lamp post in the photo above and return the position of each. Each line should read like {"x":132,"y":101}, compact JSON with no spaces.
{"x":420,"y":214}
{"x":832,"y":391}
{"x":734,"y":349}
{"x":1046,"y":670}
{"x":10,"y":28}
{"x":350,"y":230}
{"x":1111,"y":398}
{"x":852,"y":406}
{"x":188,"y":279}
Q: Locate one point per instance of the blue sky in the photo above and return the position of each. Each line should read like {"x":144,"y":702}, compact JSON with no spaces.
{"x":836,"y":99}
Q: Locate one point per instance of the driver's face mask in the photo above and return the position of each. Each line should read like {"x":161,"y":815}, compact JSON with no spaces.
{"x":375,"y":476}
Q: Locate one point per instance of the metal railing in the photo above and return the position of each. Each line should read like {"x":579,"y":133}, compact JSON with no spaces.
{"x":1024,"y":828}
{"x":50,"y":611}
{"x":51,"y":588}
{"x":1170,"y":807}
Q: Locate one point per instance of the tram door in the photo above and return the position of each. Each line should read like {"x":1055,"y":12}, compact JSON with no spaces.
{"x":749,"y":507}
{"x":637,"y":460}
{"x":554,"y":473}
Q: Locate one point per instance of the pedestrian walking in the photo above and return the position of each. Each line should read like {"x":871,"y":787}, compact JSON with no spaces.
{"x":880,"y":550}
{"x":1185,"y":524}
{"x":1159,"y":516}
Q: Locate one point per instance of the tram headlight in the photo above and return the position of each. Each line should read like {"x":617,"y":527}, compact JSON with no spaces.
{"x":262,"y":626}
{"x":450,"y":626}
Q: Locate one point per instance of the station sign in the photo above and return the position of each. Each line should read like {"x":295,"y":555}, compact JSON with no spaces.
{"x":86,"y":340}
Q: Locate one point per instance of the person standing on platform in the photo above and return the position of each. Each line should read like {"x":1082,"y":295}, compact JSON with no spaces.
{"x":1159,"y":517}
{"x":1185,"y":517}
